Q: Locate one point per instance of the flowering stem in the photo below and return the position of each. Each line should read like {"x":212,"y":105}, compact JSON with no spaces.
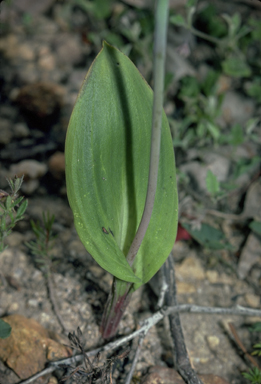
{"x":121,"y":291}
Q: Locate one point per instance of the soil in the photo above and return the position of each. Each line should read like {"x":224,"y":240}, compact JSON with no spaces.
{"x":45,"y":54}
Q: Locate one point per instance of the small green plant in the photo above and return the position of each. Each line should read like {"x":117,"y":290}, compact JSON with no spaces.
{"x":253,"y":375}
{"x":12,"y":209}
{"x":112,"y":156}
{"x":5,"y":329}
{"x":42,"y":247}
{"x":201,"y":99}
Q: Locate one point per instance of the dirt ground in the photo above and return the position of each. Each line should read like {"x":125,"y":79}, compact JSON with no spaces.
{"x":45,"y":55}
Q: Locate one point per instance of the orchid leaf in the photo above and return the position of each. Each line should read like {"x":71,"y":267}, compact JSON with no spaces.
{"x":107,"y":156}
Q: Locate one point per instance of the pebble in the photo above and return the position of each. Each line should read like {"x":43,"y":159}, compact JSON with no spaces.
{"x":213,"y":342}
{"x":13,"y":307}
{"x":56,"y":165}
{"x":212,"y":276}
{"x":183,"y":288}
{"x":252,"y":300}
{"x":190,"y":269}
{"x":47,"y":63}
{"x":33,"y":303}
{"x":64,"y":43}
{"x":218,"y":165}
{"x":236,"y":109}
{"x":21,"y":130}
{"x":25,"y":52}
{"x":30,"y":186}
{"x":31,"y":169}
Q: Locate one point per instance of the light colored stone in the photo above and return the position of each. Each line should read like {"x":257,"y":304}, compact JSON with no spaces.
{"x":213,"y":342}
{"x":252,"y":300}
{"x":31,"y":169}
{"x":13,"y":307}
{"x":47,"y":62}
{"x":212,"y":276}
{"x":250,"y":255}
{"x":236,"y":109}
{"x":183,"y":288}
{"x":33,"y":303}
{"x":30,"y":186}
{"x":21,"y":130}
{"x":190,"y":269}
{"x":25,"y":52}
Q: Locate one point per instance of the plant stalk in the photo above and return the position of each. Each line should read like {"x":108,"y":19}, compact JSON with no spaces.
{"x":160,"y":42}
{"x":121,"y":291}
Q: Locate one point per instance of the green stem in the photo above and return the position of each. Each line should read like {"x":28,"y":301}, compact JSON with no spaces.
{"x":158,"y":74}
{"x":121,"y":291}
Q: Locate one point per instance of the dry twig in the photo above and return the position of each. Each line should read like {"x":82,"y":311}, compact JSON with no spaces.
{"x":147,"y":324}
{"x":181,"y":358}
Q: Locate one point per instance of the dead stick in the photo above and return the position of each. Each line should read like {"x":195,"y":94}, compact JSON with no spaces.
{"x":241,"y":345}
{"x":182,"y":361}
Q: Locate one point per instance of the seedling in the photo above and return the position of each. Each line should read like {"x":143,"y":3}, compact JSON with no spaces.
{"x":112,"y":156}
{"x":42,"y":247}
{"x":42,"y":250}
{"x":12,"y":209}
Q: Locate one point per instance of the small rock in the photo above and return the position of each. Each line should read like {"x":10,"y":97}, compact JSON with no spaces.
{"x":236,"y":109}
{"x":183,"y":287}
{"x":30,"y":186}
{"x":250,"y":255}
{"x":212,"y":276}
{"x":251,"y":208}
{"x":26,"y":349}
{"x":31,"y":169}
{"x":53,"y":380}
{"x":47,"y":63}
{"x":56,"y":165}
{"x":213,"y":342}
{"x":9,"y":46}
{"x":33,"y":303}
{"x":190,"y":269}
{"x":21,"y":130}
{"x":64,"y":43}
{"x":218,"y":165}
{"x":252,"y":300}
{"x":13,"y":307}
{"x":6,"y":133}
{"x":25,"y":52}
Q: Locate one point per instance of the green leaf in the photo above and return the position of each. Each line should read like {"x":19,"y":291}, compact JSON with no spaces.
{"x":212,"y":183}
{"x":8,"y":203}
{"x":21,"y":210}
{"x":208,"y":236}
{"x":5,"y":329}
{"x":255,"y":226}
{"x":213,"y":130}
{"x":107,"y":156}
{"x":237,"y":135}
{"x":236,"y":67}
{"x":178,"y":20}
